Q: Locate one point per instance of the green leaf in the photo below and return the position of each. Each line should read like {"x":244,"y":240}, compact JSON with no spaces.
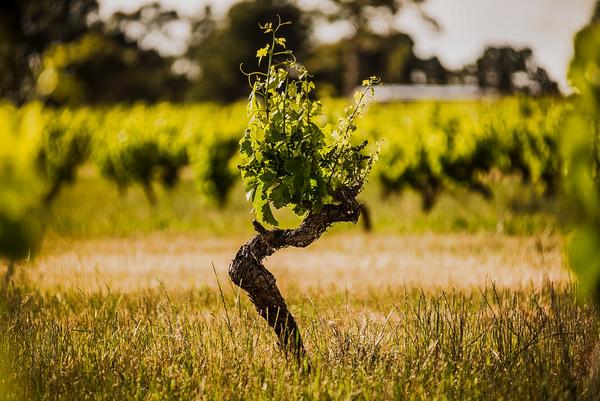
{"x":268,"y":178}
{"x":261,"y":206}
{"x":246,"y":145}
{"x":262,"y":53}
{"x":267,"y":215}
{"x":279,"y":196}
{"x":280,"y":42}
{"x":293,"y":166}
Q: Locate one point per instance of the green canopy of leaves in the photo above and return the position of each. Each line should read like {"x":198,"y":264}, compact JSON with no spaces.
{"x":292,"y":157}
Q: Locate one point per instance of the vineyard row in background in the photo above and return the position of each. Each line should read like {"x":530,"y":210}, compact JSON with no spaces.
{"x":423,"y":146}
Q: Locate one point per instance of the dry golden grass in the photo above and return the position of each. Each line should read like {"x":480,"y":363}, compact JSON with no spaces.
{"x":415,"y":317}
{"x":342,"y":260}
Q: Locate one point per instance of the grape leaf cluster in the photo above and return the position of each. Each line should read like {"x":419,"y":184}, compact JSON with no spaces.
{"x":291,"y":156}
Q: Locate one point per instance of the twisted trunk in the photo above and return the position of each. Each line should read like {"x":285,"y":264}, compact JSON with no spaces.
{"x":248,"y":272}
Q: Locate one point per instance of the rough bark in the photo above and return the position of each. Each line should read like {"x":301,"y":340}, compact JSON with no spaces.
{"x":248,"y":272}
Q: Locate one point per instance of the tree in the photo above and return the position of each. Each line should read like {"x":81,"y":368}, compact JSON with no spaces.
{"x":107,"y":68}
{"x":61,"y":52}
{"x":509,"y":70}
{"x":390,"y":56}
{"x":358,"y":13}
{"x":596,"y":13}
{"x":219,"y":51}
{"x":289,"y":161}
{"x":27,"y":29}
{"x":106,"y":65}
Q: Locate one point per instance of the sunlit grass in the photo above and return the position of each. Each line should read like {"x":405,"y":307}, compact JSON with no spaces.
{"x":470,"y":301}
{"x":354,"y":260}
{"x":93,"y":207}
{"x":389,"y":343}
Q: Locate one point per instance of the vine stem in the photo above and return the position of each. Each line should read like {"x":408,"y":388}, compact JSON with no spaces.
{"x":271,"y":52}
{"x":350,"y":119}
{"x":248,"y":272}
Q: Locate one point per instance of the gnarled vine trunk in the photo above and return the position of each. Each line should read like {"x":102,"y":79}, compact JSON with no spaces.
{"x":248,"y":272}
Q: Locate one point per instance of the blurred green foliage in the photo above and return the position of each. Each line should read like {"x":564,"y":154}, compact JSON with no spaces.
{"x":220,"y":49}
{"x":61,"y":52}
{"x":66,"y":145}
{"x":425,"y":144}
{"x":426,"y":147}
{"x":453,"y":147}
{"x":131,"y":150}
{"x":21,"y":192}
{"x":580,"y":150}
{"x":442,"y":146}
{"x":27,"y":29}
{"x":64,"y":52}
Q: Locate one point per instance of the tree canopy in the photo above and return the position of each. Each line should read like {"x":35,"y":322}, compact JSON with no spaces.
{"x":224,"y":48}
{"x":30,"y":27}
{"x":62,"y":52}
{"x":510,"y":70}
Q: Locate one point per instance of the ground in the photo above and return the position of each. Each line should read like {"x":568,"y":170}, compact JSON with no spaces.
{"x":471,"y":302}
{"x":349,"y":260}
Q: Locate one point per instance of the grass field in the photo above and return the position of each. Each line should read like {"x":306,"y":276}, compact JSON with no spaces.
{"x":356,"y":261}
{"x":93,"y":208}
{"x":471,"y":301}
{"x":388,"y":342}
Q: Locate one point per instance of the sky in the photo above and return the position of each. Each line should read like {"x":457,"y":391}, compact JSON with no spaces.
{"x":467,"y":26}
